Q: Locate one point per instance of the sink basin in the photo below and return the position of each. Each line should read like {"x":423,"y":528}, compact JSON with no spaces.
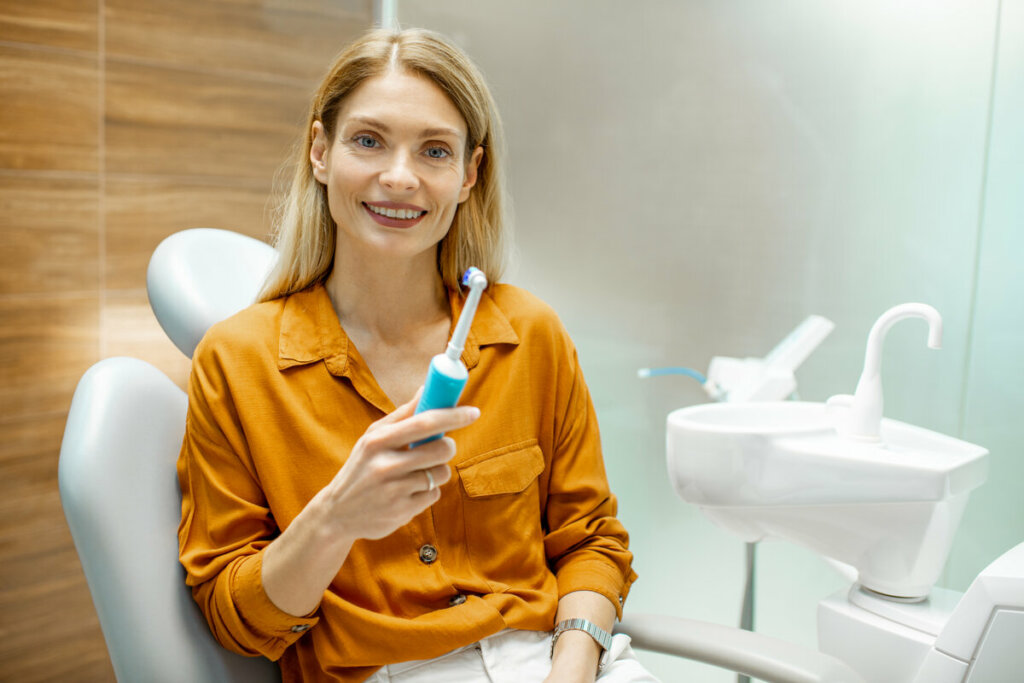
{"x":788,"y":453}
{"x":771,"y":417}
{"x":889,"y":507}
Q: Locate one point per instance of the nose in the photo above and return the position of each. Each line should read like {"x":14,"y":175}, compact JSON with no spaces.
{"x":398,"y":174}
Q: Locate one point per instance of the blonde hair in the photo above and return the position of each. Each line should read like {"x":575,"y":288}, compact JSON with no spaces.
{"x":305,"y":232}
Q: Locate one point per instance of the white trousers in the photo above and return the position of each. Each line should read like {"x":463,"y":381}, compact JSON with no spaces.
{"x":511,"y":656}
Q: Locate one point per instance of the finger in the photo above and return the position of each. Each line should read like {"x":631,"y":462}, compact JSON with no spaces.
{"x":429,"y":423}
{"x":401,"y":412}
{"x":424,"y":499}
{"x":399,"y":434}
{"x":442,"y":474}
{"x":426,"y":456}
{"x":429,"y":478}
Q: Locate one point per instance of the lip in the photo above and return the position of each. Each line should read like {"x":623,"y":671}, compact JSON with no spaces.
{"x":394,"y":222}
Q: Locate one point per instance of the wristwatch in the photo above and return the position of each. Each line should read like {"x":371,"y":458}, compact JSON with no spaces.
{"x":603,"y":638}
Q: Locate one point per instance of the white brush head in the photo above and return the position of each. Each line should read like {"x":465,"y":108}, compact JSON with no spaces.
{"x":474,"y":278}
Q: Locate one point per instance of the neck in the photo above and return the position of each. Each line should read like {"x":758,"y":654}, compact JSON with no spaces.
{"x":387,"y":299}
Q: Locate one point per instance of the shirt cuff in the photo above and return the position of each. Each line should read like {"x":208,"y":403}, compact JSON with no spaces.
{"x":599,"y":577}
{"x":256,"y":609}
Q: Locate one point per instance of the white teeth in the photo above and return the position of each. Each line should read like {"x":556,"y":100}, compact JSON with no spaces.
{"x":401,"y":214}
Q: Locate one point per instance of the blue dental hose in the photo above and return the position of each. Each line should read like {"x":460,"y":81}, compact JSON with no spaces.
{"x":447,"y":374}
{"x":657,"y":372}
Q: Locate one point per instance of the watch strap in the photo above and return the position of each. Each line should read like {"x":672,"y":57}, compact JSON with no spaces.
{"x":602,"y":637}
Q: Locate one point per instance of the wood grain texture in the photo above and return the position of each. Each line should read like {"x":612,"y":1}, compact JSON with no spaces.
{"x":270,"y":37}
{"x":51,"y":234}
{"x":50,"y":117}
{"x":71,"y":24}
{"x":47,"y":344}
{"x":173,"y":122}
{"x":48,"y":627}
{"x":129,"y":328}
{"x":143,"y":211}
{"x":183,"y":124}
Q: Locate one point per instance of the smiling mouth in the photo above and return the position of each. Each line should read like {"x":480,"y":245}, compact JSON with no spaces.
{"x":395,"y":214}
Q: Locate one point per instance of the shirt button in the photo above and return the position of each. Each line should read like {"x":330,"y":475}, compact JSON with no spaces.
{"x":299,"y":628}
{"x":428,"y":554}
{"x":456,"y":600}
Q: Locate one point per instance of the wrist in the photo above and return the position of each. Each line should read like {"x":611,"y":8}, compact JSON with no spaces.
{"x":327,"y":525}
{"x":579,"y":645}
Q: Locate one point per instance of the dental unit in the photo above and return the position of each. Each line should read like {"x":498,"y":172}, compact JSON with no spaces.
{"x":757,"y":379}
{"x":447,"y":375}
{"x":879,"y":498}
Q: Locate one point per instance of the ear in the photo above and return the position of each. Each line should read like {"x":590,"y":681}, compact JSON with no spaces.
{"x":318,"y":152}
{"x":472,"y":166}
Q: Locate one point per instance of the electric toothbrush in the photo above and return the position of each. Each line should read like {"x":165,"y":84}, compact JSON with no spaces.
{"x":447,"y":375}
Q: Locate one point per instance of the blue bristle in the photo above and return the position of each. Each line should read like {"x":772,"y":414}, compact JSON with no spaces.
{"x":468,"y":274}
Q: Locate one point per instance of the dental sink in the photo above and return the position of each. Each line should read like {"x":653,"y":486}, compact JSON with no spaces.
{"x":880,"y":495}
{"x":770,"y":417}
{"x":789,"y":453}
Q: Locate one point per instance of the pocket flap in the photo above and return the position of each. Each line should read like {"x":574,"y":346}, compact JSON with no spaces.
{"x":509,"y":469}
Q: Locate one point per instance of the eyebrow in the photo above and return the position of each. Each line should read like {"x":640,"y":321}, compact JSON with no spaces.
{"x":427,"y":133}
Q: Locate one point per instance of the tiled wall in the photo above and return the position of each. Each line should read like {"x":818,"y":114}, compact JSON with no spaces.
{"x":122,"y":121}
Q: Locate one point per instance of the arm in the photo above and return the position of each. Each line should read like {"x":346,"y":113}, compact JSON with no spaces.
{"x":576,"y":654}
{"x":252,"y":580}
{"x":587,"y":545}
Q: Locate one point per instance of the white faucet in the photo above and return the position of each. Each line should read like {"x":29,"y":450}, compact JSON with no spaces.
{"x":864,"y":414}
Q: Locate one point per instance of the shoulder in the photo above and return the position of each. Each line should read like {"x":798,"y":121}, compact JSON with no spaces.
{"x":243,"y":337}
{"x":522,"y":307}
{"x":532,"y":318}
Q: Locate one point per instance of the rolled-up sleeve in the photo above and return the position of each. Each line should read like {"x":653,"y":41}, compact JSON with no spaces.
{"x":226,"y":523}
{"x":586,"y":544}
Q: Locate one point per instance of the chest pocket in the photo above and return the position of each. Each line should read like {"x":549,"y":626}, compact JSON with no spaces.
{"x":502,"y":515}
{"x":507,"y":470}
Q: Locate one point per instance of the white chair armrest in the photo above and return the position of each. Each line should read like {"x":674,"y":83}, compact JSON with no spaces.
{"x":753,"y":654}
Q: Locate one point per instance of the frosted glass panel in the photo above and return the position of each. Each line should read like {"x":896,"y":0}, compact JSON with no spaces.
{"x":994,"y":521}
{"x":694,"y":178}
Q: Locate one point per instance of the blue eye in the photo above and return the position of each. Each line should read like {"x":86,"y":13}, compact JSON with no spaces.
{"x":365,"y":141}
{"x":438,"y":153}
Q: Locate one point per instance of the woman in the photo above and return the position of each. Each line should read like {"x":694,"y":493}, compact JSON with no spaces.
{"x":303,"y":507}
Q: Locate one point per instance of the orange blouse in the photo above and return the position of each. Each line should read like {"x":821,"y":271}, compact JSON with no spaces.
{"x":277,"y":398}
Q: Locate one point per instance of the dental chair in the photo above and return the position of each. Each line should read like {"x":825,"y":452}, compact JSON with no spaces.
{"x":120,"y":494}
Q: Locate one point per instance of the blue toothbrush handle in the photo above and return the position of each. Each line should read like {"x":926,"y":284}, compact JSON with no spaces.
{"x":445,"y":381}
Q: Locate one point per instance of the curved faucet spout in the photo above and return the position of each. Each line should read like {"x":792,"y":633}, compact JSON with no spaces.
{"x":865,"y":416}
{"x":876,"y":338}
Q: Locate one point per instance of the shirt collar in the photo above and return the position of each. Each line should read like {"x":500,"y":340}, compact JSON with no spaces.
{"x":310,"y":331}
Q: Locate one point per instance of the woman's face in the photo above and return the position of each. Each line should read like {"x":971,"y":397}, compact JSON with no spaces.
{"x":395,"y":171}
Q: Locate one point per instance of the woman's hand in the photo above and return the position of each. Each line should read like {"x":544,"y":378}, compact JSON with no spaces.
{"x":381,"y":486}
{"x":384,"y":484}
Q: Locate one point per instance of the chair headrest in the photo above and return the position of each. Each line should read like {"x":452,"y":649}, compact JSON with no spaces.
{"x":200,"y":276}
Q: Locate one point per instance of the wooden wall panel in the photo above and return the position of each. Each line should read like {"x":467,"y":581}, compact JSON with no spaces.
{"x":129,"y":328}
{"x":51,"y":231}
{"x":46,"y":343}
{"x":50,"y":116}
{"x":173,"y":122}
{"x":71,"y":24}
{"x":50,"y":632}
{"x":48,"y":628}
{"x":142,"y":211}
{"x":180,"y":118}
{"x":275,"y":38}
